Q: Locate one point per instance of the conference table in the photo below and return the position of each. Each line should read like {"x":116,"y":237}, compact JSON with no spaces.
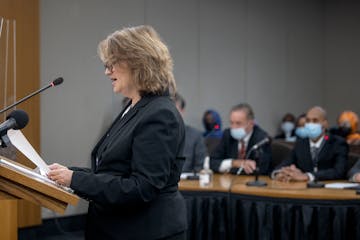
{"x":229,"y":209}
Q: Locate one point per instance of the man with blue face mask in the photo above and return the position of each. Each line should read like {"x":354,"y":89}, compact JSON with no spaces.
{"x":232,"y":153}
{"x":317,"y":157}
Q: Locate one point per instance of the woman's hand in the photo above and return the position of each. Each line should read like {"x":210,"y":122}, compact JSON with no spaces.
{"x":60,"y":174}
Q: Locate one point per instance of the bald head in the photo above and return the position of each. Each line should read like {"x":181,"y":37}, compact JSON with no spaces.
{"x":317,"y":115}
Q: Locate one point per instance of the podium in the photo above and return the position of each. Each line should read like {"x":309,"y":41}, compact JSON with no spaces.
{"x":16,"y":185}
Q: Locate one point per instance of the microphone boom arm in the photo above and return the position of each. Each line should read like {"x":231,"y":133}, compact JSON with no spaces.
{"x":52,"y":84}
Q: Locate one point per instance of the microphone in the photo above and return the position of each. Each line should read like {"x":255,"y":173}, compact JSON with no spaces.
{"x":261,"y":143}
{"x":253,"y":148}
{"x":257,"y":182}
{"x":54,"y":83}
{"x":17,"y":119}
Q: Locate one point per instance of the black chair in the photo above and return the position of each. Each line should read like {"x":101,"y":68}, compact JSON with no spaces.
{"x":211,"y":144}
{"x":352,"y":159}
{"x":280,"y":151}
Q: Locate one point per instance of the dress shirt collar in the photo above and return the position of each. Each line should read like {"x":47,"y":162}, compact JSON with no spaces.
{"x":316,"y":144}
{"x":247,"y":138}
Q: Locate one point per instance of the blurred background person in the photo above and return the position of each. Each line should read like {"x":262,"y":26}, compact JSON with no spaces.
{"x":213,"y":132}
{"x":347,"y":127}
{"x":194,"y":148}
{"x":300,"y":131}
{"x":317,"y":157}
{"x":287,"y":128}
{"x":232,"y":153}
{"x":212,"y":124}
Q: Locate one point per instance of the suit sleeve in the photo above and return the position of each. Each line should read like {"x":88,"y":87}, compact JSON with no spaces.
{"x":154,"y":149}
{"x":338,"y":171}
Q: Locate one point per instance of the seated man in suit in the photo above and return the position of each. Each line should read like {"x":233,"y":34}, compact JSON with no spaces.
{"x":194,"y":148}
{"x":317,"y":157}
{"x":233,"y":152}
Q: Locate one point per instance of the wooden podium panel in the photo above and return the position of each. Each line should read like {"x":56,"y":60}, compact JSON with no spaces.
{"x":8,"y":216}
{"x":28,"y":214}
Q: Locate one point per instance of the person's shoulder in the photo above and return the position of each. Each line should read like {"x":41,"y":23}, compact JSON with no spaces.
{"x":334,"y":139}
{"x":258,"y":131}
{"x":226,"y":133}
{"x":159,"y":107}
{"x":158,"y":103}
{"x":192,"y":130}
{"x":300,"y":143}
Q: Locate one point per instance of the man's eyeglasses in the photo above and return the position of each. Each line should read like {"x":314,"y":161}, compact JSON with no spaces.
{"x":109,"y":67}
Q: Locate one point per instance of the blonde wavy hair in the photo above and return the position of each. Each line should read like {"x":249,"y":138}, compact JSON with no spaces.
{"x":146,"y":55}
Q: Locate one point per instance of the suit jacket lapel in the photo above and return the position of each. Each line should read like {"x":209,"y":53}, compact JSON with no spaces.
{"x":251,"y":140}
{"x":122,"y":122}
{"x":119,"y":123}
{"x":324,"y":149}
{"x":234,"y":148}
{"x":131,"y":113}
{"x":117,"y":119}
{"x":308,"y":161}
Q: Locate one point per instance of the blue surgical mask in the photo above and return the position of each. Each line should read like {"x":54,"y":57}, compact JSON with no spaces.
{"x":287,"y":127}
{"x":301,"y":132}
{"x":314,"y":130}
{"x":238,"y":133}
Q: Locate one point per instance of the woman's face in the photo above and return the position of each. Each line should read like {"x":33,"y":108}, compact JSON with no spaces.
{"x":122,"y":80}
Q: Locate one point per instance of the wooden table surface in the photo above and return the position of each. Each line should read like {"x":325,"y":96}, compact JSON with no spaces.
{"x":274,"y":189}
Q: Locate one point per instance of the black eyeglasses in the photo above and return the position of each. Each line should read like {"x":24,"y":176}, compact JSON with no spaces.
{"x":109,"y":67}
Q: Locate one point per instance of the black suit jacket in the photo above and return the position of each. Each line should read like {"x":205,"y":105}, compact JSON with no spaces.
{"x":332,"y":158}
{"x":229,"y":147}
{"x":133,"y":188}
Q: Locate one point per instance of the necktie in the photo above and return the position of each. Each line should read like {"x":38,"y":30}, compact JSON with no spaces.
{"x":241,"y":152}
{"x":313,"y":151}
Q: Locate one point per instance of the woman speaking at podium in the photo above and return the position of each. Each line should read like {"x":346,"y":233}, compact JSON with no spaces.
{"x":136,"y":165}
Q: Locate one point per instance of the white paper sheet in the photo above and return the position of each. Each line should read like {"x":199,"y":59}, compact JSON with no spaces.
{"x":22,"y":144}
{"x":341,"y":185}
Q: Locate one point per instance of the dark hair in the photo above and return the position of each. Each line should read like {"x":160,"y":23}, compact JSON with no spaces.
{"x":246,"y":108}
{"x":303,"y":115}
{"x":289,"y":116}
{"x":179,"y":99}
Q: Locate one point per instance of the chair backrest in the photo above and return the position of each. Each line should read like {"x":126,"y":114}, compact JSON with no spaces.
{"x":354,"y":149}
{"x":211,"y":144}
{"x":352,"y":159}
{"x":280,"y":151}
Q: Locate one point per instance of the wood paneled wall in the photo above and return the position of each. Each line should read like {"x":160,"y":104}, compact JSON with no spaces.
{"x":26,"y":15}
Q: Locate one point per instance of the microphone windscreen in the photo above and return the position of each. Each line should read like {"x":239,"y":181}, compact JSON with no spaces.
{"x":21,"y":118}
{"x":58,"y":81}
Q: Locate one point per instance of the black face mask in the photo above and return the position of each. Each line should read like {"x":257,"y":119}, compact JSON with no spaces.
{"x":209,"y":126}
{"x":343,"y":131}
